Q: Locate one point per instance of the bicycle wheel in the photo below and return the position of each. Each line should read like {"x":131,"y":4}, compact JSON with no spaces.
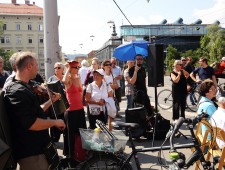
{"x":105,"y":162}
{"x":165,"y":99}
{"x":192,"y":101}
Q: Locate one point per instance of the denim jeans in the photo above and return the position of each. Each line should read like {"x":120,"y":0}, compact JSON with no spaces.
{"x":129,"y":101}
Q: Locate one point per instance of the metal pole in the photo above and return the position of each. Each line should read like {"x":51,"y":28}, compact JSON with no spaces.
{"x":51,"y":37}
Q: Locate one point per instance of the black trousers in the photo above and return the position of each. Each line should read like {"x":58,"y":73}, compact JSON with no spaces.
{"x":179,"y":105}
{"x":55,"y":133}
{"x":93,"y":118}
{"x":74,"y":120}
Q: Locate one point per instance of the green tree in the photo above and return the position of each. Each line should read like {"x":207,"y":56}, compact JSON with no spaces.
{"x":195,"y":54}
{"x":212,"y":44}
{"x":3,"y":54}
{"x":171,"y":56}
{"x":6,"y":56}
{"x":1,"y":27}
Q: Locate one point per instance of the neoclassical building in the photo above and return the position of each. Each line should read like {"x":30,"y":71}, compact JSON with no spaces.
{"x":23,"y":29}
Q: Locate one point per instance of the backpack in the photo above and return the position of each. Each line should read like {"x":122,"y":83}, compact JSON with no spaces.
{"x":215,"y":65}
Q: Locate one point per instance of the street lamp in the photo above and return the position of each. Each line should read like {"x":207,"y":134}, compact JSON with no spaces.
{"x":112,"y":25}
{"x":92,"y":37}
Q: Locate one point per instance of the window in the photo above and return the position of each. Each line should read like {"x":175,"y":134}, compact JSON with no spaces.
{"x":29,"y":27}
{"x":41,"y":51}
{"x":4,"y":27}
{"x":18,"y":40}
{"x":7,"y":40}
{"x":29,"y":40}
{"x":2,"y":40}
{"x":40,"y":27}
{"x":41,"y":40}
{"x":17,"y":27}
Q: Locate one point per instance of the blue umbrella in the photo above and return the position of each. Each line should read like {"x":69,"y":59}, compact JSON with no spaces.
{"x":128,"y":51}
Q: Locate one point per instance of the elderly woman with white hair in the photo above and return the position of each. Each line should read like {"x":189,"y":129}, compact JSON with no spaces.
{"x":83,"y":71}
{"x":179,"y":89}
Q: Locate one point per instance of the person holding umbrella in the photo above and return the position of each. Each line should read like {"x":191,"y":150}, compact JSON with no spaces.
{"x":138,"y":75}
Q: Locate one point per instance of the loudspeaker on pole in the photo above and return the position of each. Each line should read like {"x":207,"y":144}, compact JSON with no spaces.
{"x":155,"y":66}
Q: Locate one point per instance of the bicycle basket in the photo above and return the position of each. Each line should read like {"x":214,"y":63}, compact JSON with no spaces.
{"x":103,"y":143}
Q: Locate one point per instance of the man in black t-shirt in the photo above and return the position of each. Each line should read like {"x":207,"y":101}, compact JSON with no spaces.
{"x":138,"y":76}
{"x":204,"y":72}
{"x":28,"y":122}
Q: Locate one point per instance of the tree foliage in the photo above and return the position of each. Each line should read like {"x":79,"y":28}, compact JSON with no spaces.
{"x":212,"y":44}
{"x":1,"y":27}
{"x":171,"y":56}
{"x":6,"y":56}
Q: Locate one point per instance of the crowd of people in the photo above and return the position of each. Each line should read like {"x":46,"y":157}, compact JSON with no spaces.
{"x":98,"y":88}
{"x":184,"y":75}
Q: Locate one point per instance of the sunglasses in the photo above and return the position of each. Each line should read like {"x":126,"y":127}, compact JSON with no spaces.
{"x":183,"y":60}
{"x":108,"y":64}
{"x":76,"y":67}
{"x":179,"y":64}
{"x":139,"y":59}
{"x":57,"y":68}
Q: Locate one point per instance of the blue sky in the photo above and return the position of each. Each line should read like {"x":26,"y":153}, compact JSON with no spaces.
{"x":79,"y":19}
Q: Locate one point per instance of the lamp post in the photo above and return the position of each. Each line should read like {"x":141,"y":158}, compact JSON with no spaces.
{"x":92,"y":37}
{"x":112,"y":25}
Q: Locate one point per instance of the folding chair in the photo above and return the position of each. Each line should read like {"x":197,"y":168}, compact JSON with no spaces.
{"x":203,"y":138}
{"x":214,"y":149}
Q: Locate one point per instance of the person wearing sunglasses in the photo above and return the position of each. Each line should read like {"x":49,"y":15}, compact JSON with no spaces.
{"x":74,"y":115}
{"x":179,"y":89}
{"x":58,"y":76}
{"x":110,"y":78}
{"x":137,"y":74}
{"x":58,"y":69}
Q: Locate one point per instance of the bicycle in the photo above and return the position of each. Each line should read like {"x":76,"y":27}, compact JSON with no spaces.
{"x":165,"y":99}
{"x":120,"y":161}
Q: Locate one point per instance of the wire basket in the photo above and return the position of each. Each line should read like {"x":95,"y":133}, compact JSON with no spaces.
{"x":104,"y":142}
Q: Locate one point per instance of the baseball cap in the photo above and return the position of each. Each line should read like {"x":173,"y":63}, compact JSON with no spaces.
{"x":73,"y":63}
{"x":223,"y":59}
{"x":100,"y":71}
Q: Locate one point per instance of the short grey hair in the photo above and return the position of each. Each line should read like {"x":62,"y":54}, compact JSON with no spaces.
{"x":221,"y":100}
{"x":60,"y":64}
{"x":84,"y":63}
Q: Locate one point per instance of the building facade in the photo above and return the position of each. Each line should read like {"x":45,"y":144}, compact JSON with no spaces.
{"x":179,"y":35}
{"x":23,"y":29}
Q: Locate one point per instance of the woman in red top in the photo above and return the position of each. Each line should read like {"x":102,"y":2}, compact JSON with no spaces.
{"x":75,"y":115}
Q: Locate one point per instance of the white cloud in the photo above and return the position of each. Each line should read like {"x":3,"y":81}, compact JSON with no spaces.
{"x":210,"y":15}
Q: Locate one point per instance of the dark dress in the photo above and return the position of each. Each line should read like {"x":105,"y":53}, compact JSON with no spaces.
{"x":179,"y":93}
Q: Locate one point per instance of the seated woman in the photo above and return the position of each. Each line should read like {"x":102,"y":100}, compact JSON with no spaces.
{"x":97,"y":93}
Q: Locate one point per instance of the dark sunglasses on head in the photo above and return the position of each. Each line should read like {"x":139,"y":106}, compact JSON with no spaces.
{"x":76,"y":67}
{"x":57,"y":68}
{"x":139,"y":58}
{"x":108,"y":64}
